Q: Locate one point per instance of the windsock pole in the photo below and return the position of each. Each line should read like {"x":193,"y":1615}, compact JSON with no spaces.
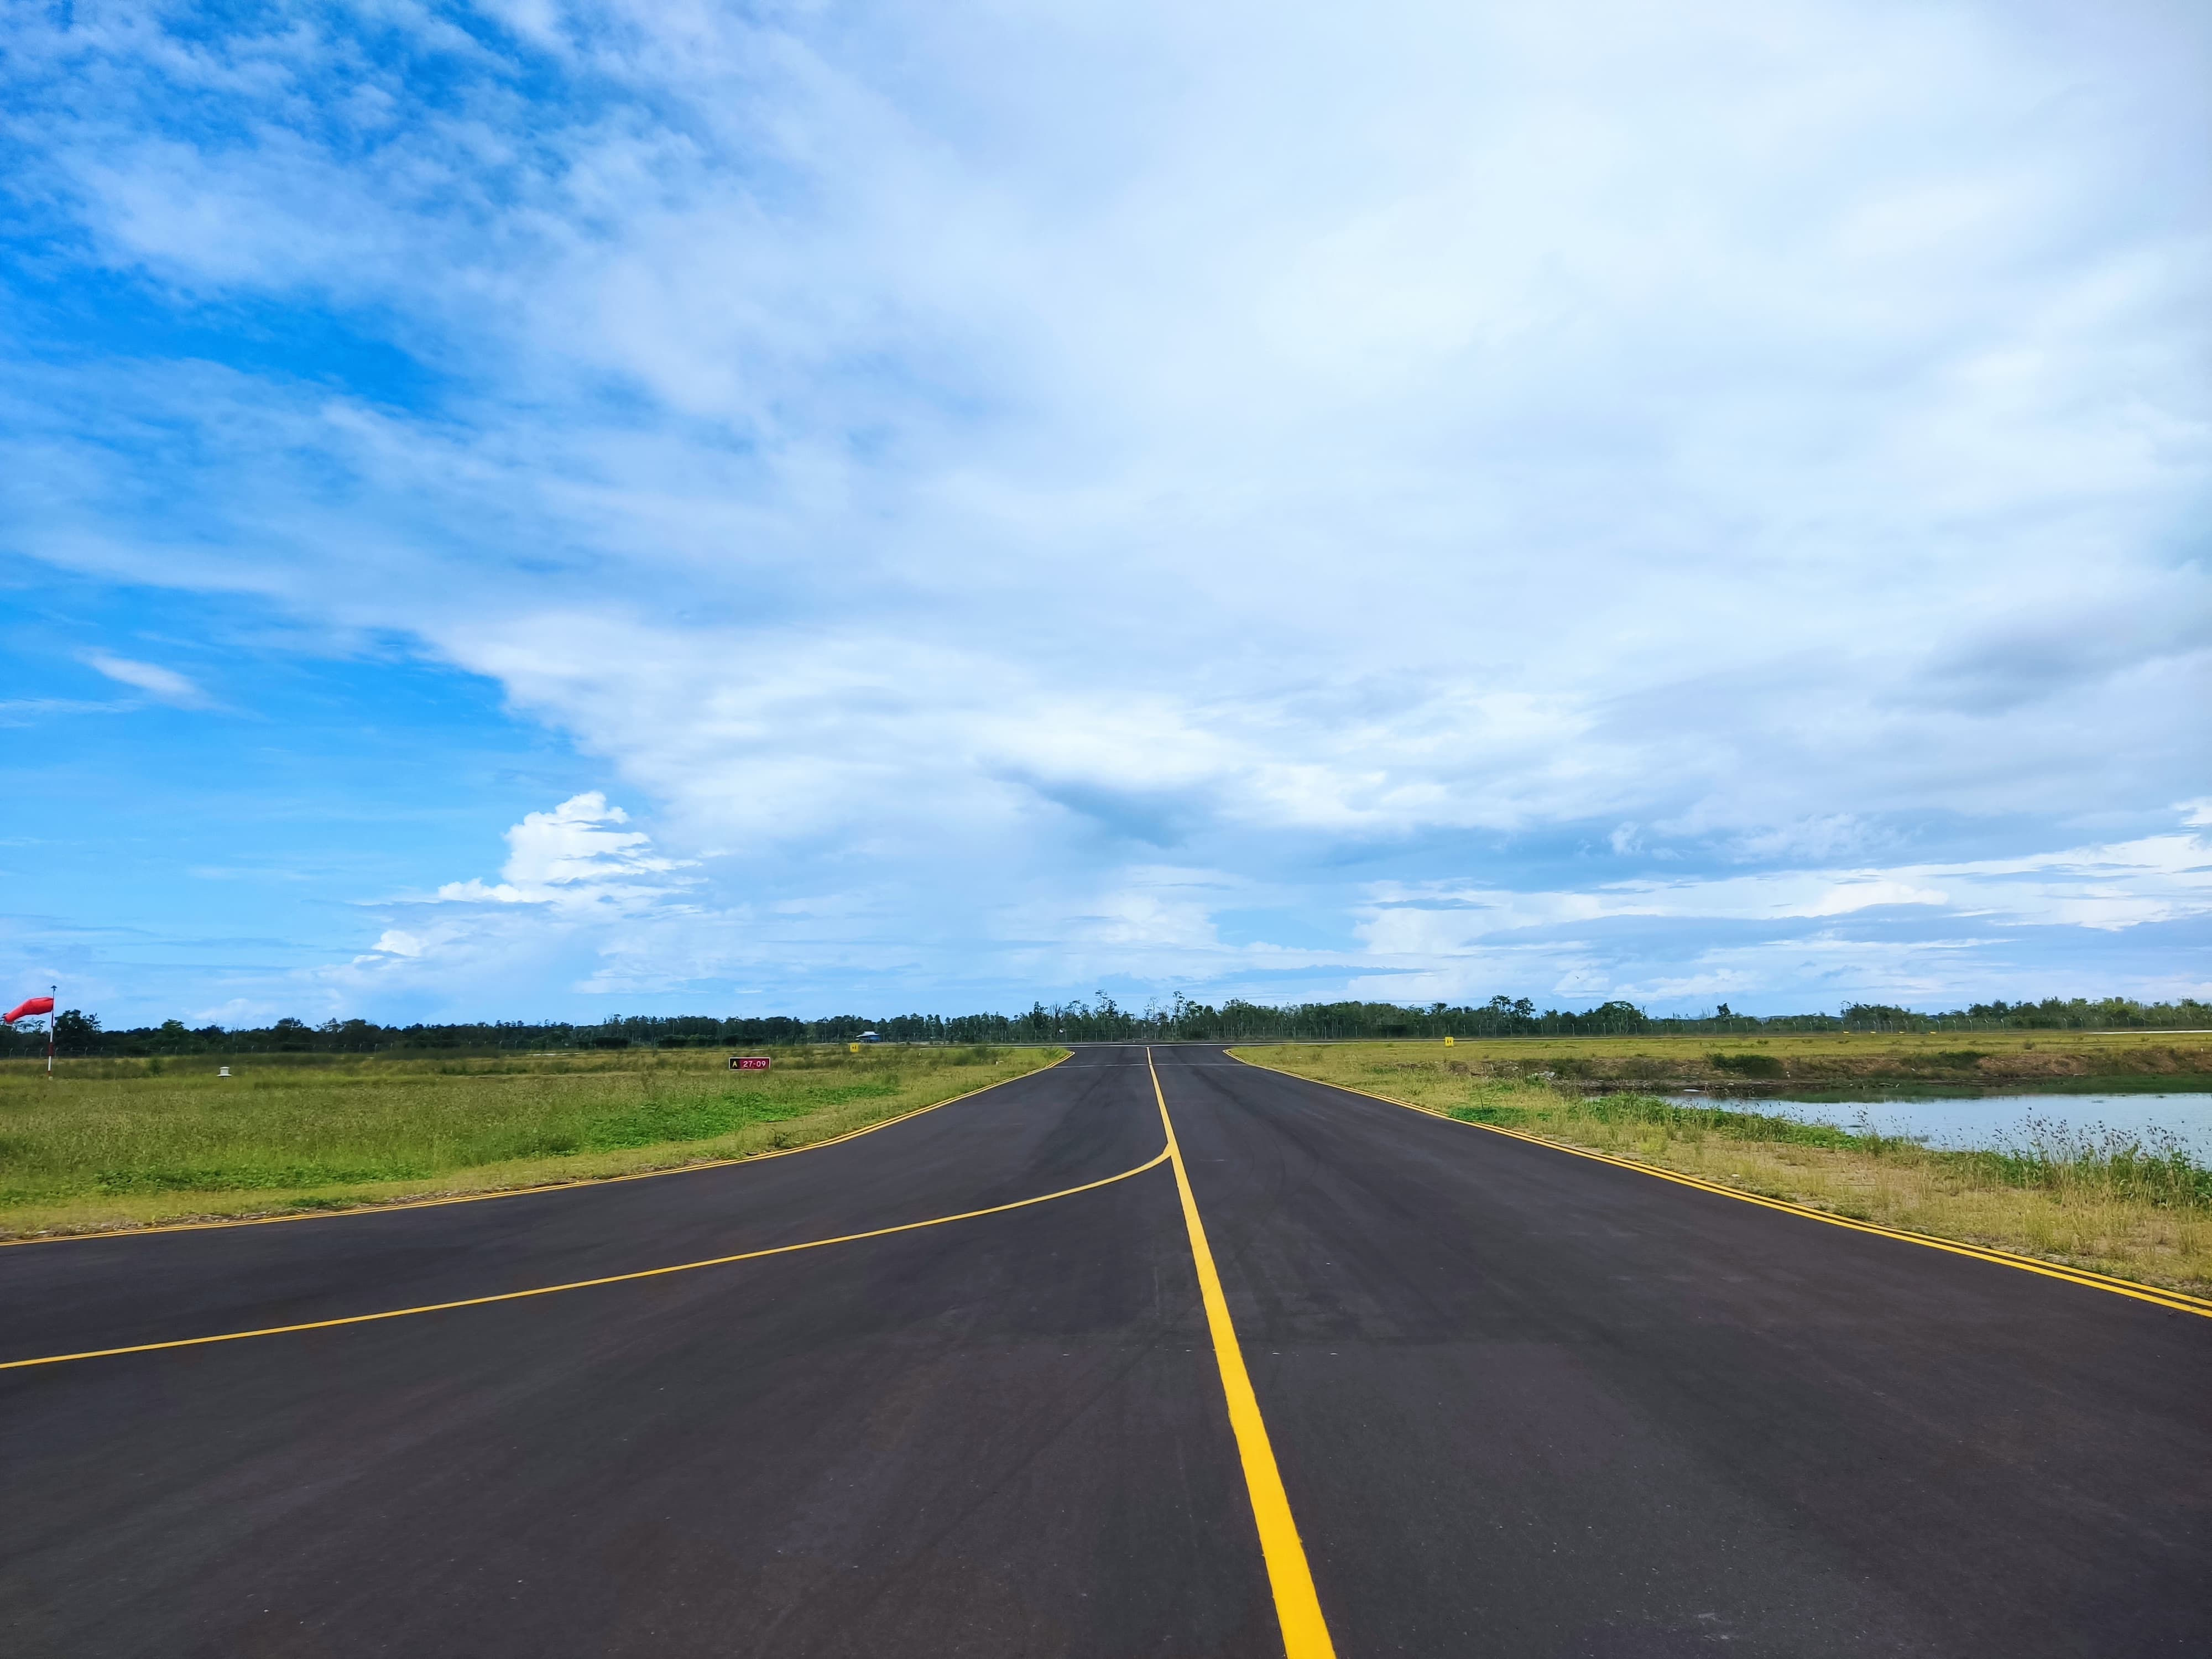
{"x":53,"y":1013}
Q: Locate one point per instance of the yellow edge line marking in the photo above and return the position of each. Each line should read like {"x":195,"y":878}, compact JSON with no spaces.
{"x":587,"y":1284}
{"x":2178,"y":1301}
{"x":1298,"y":1606}
{"x":371,"y":1206}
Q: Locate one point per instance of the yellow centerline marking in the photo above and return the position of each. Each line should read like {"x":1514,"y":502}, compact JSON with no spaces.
{"x":1297,"y":1606}
{"x":2178,"y":1301}
{"x":1165,"y":1154}
{"x":372,"y":1206}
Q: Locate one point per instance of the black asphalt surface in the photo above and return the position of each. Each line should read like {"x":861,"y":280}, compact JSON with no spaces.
{"x":1523,"y":1404}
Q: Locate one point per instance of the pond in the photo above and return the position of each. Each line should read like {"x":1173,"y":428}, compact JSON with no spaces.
{"x":2006,"y":1119}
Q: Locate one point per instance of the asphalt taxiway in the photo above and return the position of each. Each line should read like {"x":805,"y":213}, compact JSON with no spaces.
{"x":1512,"y":1401}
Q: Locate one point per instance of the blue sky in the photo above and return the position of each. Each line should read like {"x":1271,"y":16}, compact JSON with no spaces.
{"x":546,"y":510}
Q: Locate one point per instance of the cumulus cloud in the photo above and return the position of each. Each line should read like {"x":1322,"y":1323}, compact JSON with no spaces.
{"x":582,"y":907}
{"x":571,"y":859}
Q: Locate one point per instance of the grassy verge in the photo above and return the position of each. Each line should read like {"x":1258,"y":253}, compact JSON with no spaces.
{"x":2115,"y":1207}
{"x":110,"y":1144}
{"x":1811,"y":1062}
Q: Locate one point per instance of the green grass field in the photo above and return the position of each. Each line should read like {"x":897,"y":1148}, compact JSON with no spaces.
{"x":123,"y":1143}
{"x":2136,"y":1213}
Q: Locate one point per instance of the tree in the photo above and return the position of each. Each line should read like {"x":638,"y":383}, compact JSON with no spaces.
{"x":77,"y":1032}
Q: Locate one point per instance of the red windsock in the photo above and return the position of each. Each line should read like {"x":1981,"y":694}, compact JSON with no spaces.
{"x":25,"y":1010}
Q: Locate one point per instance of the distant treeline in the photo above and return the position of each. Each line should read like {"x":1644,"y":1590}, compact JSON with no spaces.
{"x":1103,"y":1020}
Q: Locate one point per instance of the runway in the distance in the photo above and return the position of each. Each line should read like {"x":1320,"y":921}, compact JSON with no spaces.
{"x":1522,"y":1403}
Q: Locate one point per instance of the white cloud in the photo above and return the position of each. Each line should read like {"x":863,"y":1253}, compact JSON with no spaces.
{"x":583,"y":907}
{"x":568,"y":859}
{"x":1926,"y":933}
{"x":164,"y":683}
{"x":2157,"y":879}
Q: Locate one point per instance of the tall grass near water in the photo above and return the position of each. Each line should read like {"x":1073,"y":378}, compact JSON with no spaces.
{"x":112,"y":1142}
{"x":2090,"y":1163}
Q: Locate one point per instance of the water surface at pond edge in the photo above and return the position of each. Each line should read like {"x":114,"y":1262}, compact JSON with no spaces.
{"x":2015,"y":1120}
